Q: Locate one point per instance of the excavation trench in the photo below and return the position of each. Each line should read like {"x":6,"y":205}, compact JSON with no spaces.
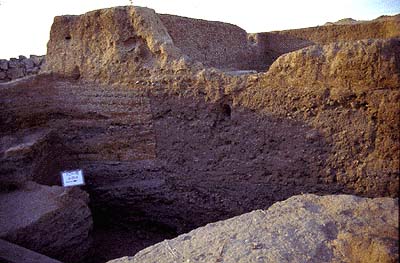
{"x":166,"y":150}
{"x":114,"y":235}
{"x":157,"y":165}
{"x":211,"y":162}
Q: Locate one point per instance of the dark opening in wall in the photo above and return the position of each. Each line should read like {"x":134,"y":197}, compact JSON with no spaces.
{"x":115,"y":235}
{"x":226,"y":110}
{"x":76,"y":73}
{"x":68,"y":37}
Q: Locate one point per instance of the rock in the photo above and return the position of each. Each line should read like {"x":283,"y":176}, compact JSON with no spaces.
{"x":16,"y":72}
{"x":28,"y":64}
{"x":37,"y":60}
{"x":3,"y":76}
{"x":3,"y":64}
{"x":14,"y":63}
{"x":306,"y":228}
{"x":21,"y":67}
{"x":53,"y":221}
{"x":37,"y":156}
{"x":12,"y":253}
{"x":34,"y":71}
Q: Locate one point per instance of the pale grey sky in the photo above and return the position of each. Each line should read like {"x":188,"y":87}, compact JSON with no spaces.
{"x":25,"y":24}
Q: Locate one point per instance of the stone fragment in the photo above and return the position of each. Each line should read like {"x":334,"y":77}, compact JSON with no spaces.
{"x":3,"y":64}
{"x":32,"y":156}
{"x":16,"y":72}
{"x":12,"y":253}
{"x":306,"y":228}
{"x":14,"y":63}
{"x":28,"y":64}
{"x":3,"y":75}
{"x":53,"y":221}
{"x":37,"y":60}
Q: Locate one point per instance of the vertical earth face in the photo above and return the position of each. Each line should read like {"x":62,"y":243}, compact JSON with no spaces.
{"x":179,"y":122}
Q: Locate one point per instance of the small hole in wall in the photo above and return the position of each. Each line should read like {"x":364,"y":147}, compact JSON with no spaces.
{"x":252,"y":40}
{"x":136,"y":59}
{"x":226,"y":110}
{"x":68,"y":37}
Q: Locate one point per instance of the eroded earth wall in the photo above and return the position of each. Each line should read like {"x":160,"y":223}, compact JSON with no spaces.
{"x":120,"y":43}
{"x":123,"y":42}
{"x":215,"y":44}
{"x":162,"y":138}
{"x":133,"y":42}
{"x":281,"y":42}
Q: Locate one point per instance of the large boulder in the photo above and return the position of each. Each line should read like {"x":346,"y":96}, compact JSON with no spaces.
{"x":32,"y":155}
{"x":306,"y":228}
{"x":54,"y":221}
{"x":12,"y":253}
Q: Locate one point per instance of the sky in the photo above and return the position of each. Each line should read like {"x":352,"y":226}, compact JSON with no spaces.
{"x":25,"y":24}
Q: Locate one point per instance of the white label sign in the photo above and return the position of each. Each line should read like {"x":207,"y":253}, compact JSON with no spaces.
{"x":72,"y":178}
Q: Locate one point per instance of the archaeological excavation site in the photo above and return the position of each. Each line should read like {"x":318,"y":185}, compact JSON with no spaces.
{"x":200,"y":142}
